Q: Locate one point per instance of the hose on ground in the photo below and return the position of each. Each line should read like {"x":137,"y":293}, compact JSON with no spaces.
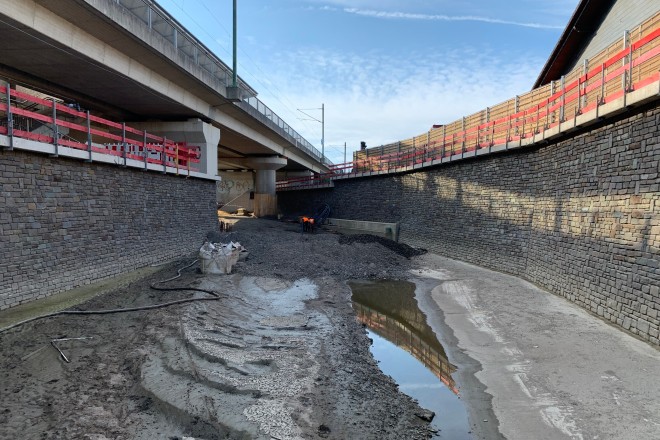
{"x":214,"y":297}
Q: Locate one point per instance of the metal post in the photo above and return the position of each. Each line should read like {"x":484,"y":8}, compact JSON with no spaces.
{"x":164,"y":155}
{"x":516,"y":109}
{"x":562,"y":112}
{"x":492,"y":137}
{"x":10,"y":117}
{"x":488,"y":121}
{"x":602,"y":85}
{"x":579,"y":106}
{"x":234,"y":75}
{"x":463,"y":141}
{"x":585,"y":70}
{"x":322,"y":132}
{"x":56,"y":133}
{"x":444,"y":134}
{"x":630,"y":69}
{"x":124,"y":147}
{"x":144,"y":149}
{"x":89,"y":137}
{"x":548,"y":119}
{"x":625,"y":60}
{"x":344,"y":152}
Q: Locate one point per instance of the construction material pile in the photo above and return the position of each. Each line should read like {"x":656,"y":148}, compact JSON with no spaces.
{"x":219,"y":258}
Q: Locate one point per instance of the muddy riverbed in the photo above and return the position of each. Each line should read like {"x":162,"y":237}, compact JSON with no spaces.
{"x":280,"y":355}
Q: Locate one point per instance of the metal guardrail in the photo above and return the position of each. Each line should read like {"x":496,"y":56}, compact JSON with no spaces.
{"x":88,"y":133}
{"x":620,"y":70}
{"x":161,"y":22}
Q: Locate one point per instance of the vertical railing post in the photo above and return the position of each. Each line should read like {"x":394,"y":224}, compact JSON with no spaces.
{"x":624,"y":61}
{"x":492,"y":137}
{"x":414,"y":155}
{"x":463,"y":140}
{"x":428,"y":144}
{"x":176,"y":158}
{"x":56,"y":130}
{"x":10,"y":117}
{"x":487,"y":123}
{"x":444,"y":136}
{"x":516,"y":109}
{"x":144,"y":149}
{"x":164,"y":155}
{"x":578,"y":111}
{"x":585,"y":70}
{"x":630,"y":69}
{"x":562,"y":111}
{"x":124,"y":146}
{"x":549,"y":120}
{"x":602,"y":85}
{"x":89,"y":137}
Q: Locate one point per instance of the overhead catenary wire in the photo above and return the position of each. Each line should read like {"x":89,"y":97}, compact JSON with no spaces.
{"x":214,"y":297}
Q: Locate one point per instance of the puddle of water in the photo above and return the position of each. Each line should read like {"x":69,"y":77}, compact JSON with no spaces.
{"x":408,"y":350}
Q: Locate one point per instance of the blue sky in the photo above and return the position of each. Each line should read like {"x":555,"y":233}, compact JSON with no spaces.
{"x":385,"y":69}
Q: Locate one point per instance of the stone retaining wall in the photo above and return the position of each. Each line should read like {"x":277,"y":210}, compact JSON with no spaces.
{"x":579,"y":217}
{"x":65,"y":223}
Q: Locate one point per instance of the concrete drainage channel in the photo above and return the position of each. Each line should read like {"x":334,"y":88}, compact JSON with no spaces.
{"x":407,"y":350}
{"x":387,"y":230}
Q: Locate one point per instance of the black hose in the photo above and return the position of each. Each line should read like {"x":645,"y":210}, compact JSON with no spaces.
{"x":214,"y":297}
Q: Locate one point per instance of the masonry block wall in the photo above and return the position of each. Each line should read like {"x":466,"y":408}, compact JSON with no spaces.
{"x":580,"y":217}
{"x":66,"y":223}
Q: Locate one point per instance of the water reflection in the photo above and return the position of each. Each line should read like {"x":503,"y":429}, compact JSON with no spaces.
{"x":408,"y":350}
{"x":389,"y":309}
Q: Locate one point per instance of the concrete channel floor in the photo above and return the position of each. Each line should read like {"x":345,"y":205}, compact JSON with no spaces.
{"x":554,"y":370}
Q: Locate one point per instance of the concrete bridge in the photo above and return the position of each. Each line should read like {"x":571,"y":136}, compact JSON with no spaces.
{"x":130,"y":61}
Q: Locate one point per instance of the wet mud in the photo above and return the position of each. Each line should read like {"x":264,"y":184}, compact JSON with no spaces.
{"x":279,"y":356}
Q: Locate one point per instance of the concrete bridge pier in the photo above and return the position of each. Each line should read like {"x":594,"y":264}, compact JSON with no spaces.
{"x":193,"y":132}
{"x":265,"y":196}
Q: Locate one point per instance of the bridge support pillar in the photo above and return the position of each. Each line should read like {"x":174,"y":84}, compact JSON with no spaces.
{"x":265,"y":196}
{"x":194,"y":132}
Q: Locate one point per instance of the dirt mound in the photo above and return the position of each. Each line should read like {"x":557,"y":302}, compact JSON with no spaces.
{"x":402,"y":249}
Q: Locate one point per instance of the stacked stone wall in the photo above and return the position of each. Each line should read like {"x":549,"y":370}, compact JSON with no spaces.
{"x":579,"y":217}
{"x":65,"y":223}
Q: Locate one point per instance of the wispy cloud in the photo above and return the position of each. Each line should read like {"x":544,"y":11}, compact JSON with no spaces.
{"x":440,"y":17}
{"x":379,"y":99}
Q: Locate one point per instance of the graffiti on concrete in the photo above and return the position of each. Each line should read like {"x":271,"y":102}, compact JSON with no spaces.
{"x":230,"y":186}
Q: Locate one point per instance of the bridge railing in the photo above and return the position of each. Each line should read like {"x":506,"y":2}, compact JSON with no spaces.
{"x":27,"y":116}
{"x":260,"y":111}
{"x":624,"y":67}
{"x":161,"y":22}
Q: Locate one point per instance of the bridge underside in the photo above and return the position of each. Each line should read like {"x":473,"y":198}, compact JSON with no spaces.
{"x":36,"y":60}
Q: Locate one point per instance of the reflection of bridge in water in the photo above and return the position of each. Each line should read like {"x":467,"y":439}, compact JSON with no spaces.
{"x":389,"y":309}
